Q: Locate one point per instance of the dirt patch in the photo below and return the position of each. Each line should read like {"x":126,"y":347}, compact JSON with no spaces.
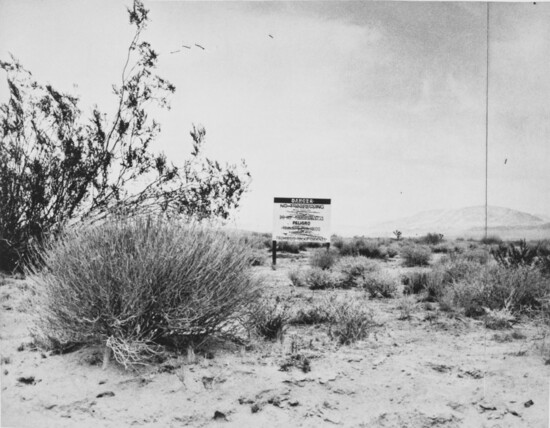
{"x":425,"y":371}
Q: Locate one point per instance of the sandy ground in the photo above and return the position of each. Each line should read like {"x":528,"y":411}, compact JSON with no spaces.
{"x":432,"y":370}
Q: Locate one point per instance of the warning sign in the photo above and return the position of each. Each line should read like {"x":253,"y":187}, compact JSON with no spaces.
{"x":301,"y":219}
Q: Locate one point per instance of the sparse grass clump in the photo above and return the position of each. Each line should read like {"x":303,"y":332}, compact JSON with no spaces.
{"x":255,"y":240}
{"x":317,"y":314}
{"x":268,"y":319}
{"x":509,"y":337}
{"x":257,"y":257}
{"x":498,"y":319}
{"x":298,"y":361}
{"x":128,"y":284}
{"x":315,"y":278}
{"x":414,"y":282}
{"x":406,"y":306}
{"x":3,"y":278}
{"x":352,"y":320}
{"x":416,"y":255}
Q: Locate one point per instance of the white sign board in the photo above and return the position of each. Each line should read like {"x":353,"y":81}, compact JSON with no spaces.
{"x":301,"y":219}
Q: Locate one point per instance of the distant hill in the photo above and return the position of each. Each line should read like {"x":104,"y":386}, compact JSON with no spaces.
{"x":468,"y":222}
{"x":545,"y":217}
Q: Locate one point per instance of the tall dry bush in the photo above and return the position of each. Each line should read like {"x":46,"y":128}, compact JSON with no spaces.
{"x":128,"y":284}
{"x":415,"y":255}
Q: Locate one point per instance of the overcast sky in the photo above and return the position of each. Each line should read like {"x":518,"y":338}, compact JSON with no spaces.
{"x":379,"y":106}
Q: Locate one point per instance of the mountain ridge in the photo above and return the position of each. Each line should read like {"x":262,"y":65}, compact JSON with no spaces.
{"x":464,"y":221}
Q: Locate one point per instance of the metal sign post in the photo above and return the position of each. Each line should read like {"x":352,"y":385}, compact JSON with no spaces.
{"x":274,"y":253}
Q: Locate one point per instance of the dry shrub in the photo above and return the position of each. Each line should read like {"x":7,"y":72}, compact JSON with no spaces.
{"x":478,"y":255}
{"x":416,"y":255}
{"x":371,"y":248}
{"x":517,"y":290}
{"x":316,"y":314}
{"x":257,"y":257}
{"x":290,"y":247}
{"x":437,"y":283}
{"x":452,"y":268}
{"x":457,"y":267}
{"x":512,"y":256}
{"x":432,"y":238}
{"x":509,"y":337}
{"x":319,"y":279}
{"x":258,"y":241}
{"x":297,"y":277}
{"x":337,"y":242}
{"x":351,"y":320}
{"x":323,"y":258}
{"x":414,"y":282}
{"x":391,"y":250}
{"x":315,"y":278}
{"x":491,"y":240}
{"x":380,"y":284}
{"x":443,"y":248}
{"x":128,"y":284}
{"x":499,"y":319}
{"x":406,"y":306}
{"x":353,"y":270}
{"x":268,"y":318}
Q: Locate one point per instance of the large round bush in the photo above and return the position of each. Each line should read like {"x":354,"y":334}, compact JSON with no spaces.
{"x":416,"y":255}
{"x":129,"y":284}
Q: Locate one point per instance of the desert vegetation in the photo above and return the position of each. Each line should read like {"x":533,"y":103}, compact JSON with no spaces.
{"x":164,"y":298}
{"x":147,"y":284}
{"x":136,"y":284}
{"x":59,"y":167}
{"x":473,"y":279}
{"x":130,"y":285}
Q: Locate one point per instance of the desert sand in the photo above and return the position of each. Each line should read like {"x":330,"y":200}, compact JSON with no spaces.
{"x":431,"y":370}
